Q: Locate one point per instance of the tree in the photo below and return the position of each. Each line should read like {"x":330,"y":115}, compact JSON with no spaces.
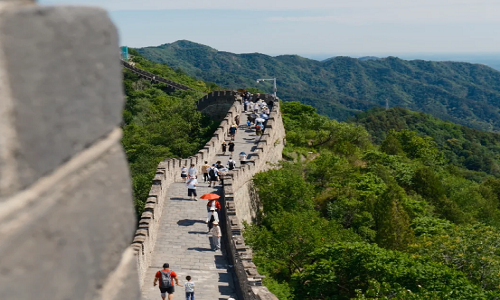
{"x":392,"y":221}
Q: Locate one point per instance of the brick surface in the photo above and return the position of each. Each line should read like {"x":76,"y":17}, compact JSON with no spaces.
{"x":183,"y":241}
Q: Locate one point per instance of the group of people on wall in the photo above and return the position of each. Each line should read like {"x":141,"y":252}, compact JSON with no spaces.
{"x":257,"y":111}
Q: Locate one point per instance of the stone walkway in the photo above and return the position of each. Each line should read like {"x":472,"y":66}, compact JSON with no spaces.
{"x":183,"y":241}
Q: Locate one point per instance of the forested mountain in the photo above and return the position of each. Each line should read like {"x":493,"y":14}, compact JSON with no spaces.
{"x":340,"y":87}
{"x":460,"y":145}
{"x":344,"y":218}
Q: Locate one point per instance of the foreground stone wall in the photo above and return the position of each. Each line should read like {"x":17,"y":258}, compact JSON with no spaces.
{"x":168,"y":172}
{"x":241,"y":204}
{"x":66,"y":210}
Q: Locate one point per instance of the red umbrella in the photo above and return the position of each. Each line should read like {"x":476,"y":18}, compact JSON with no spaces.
{"x":210,"y":196}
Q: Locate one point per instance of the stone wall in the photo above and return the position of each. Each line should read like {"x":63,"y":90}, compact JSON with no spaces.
{"x":171,"y":85}
{"x":168,"y":172}
{"x":66,"y":210}
{"x":241,"y":204}
{"x":216,"y":104}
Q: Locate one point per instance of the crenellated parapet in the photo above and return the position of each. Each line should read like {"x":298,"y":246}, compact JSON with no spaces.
{"x":168,"y":172}
{"x":242,"y":204}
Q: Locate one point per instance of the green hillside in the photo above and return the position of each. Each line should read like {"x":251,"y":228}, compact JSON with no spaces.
{"x":158,"y":125}
{"x":346,"y":219}
{"x":340,"y":87}
{"x":461,"y":146}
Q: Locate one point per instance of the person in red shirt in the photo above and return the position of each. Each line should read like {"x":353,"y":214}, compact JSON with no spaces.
{"x":166,"y":289}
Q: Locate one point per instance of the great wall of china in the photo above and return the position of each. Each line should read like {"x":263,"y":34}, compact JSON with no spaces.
{"x":66,"y":214}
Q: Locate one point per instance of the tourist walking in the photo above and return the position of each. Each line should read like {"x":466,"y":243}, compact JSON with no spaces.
{"x":245,"y":105}
{"x":232,"y":131}
{"x":192,"y":172}
{"x":224,"y":148}
{"x":184,"y":173}
{"x":237,"y":120}
{"x":204,"y":170}
{"x":213,"y":174}
{"x":258,"y":130}
{"x":191,"y":185}
{"x":231,"y":164}
{"x":210,"y":223}
{"x":213,"y":208}
{"x":231,"y":147}
{"x":166,"y":278}
{"x":216,"y":235}
{"x":189,"y":288}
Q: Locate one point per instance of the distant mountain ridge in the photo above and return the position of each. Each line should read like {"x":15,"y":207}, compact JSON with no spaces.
{"x":340,"y":87}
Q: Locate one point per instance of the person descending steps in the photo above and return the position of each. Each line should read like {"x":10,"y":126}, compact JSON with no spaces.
{"x":166,"y":278}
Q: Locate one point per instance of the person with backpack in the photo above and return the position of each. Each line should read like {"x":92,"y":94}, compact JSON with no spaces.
{"x":231,"y":147}
{"x":231,"y":164}
{"x":213,"y":174}
{"x":166,"y":278}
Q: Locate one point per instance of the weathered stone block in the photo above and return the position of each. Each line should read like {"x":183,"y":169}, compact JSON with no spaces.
{"x":75,"y":230}
{"x":64,"y":89}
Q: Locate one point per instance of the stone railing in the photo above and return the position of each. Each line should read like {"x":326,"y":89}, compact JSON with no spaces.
{"x":241,"y":203}
{"x":168,"y":172}
{"x":155,"y":78}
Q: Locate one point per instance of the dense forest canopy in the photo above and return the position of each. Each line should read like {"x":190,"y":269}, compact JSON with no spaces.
{"x":344,"y":218}
{"x":460,"y":145}
{"x":467,"y":94}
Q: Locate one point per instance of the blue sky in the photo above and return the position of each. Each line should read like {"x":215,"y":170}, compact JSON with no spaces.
{"x":313,"y":27}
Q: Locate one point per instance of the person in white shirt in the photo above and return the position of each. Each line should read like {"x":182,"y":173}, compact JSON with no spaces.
{"x":216,"y":235}
{"x":184,"y":172}
{"x":191,"y":185}
{"x":192,"y":172}
{"x":189,"y":288}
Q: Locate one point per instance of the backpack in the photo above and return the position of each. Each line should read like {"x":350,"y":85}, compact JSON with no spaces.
{"x":212,"y":173}
{"x":231,"y":165}
{"x":166,"y":280}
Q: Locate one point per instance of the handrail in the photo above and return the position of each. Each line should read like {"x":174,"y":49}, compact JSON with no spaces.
{"x":154,"y":77}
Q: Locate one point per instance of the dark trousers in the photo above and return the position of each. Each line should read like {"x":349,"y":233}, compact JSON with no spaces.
{"x":205,"y":177}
